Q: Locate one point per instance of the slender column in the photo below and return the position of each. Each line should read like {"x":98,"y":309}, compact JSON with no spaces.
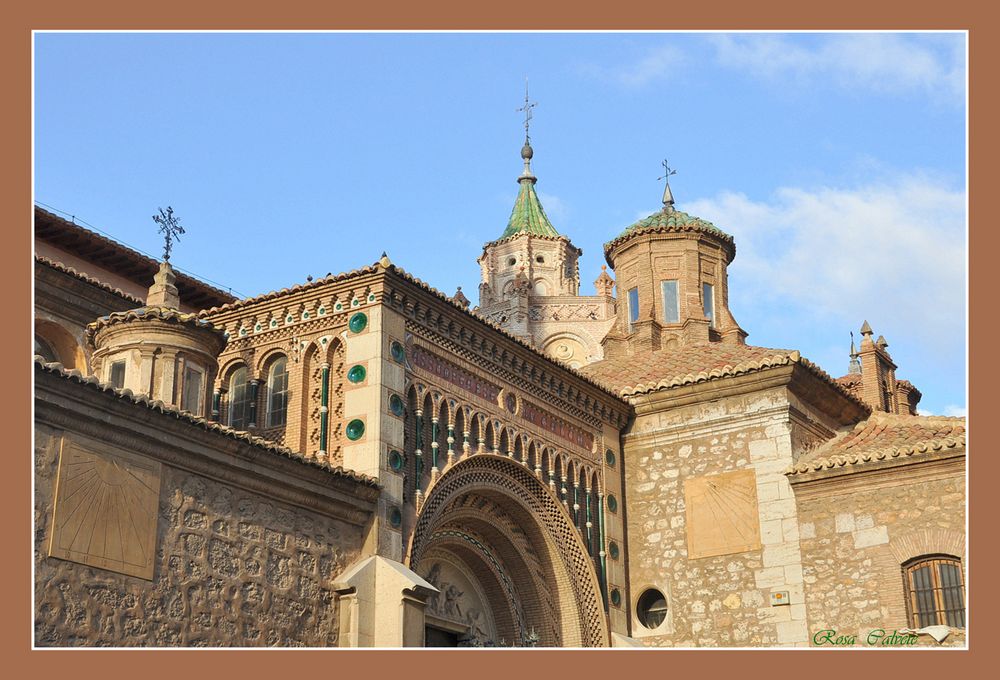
{"x":538,"y":464}
{"x":552,"y":475}
{"x":576,"y":502}
{"x":590,"y":540}
{"x":434,"y":447}
{"x":565,"y":498}
{"x":603,"y":554}
{"x":254,"y":387}
{"x":465,"y":443}
{"x":496,"y":440}
{"x":451,"y":444}
{"x":419,"y":452}
{"x":216,"y":402}
{"x":434,"y":443}
{"x":324,"y":409}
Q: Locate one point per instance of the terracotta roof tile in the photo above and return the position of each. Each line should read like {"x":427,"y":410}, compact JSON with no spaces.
{"x":884,"y":436}
{"x":129,"y":263}
{"x":142,"y":313}
{"x":127,"y":395}
{"x":666,"y":369}
{"x":59,"y":266}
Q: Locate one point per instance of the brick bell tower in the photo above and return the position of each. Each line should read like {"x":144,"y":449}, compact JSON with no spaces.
{"x":673,"y":288}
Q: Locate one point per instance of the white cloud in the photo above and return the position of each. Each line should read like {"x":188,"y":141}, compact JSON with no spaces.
{"x":933,"y":64}
{"x":556,"y":209}
{"x":654,"y":64}
{"x":955,"y":410}
{"x":889,"y":62}
{"x":891,"y":252}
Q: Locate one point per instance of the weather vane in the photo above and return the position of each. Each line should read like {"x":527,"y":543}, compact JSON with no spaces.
{"x":668,"y":197}
{"x":527,"y":111}
{"x":170,"y":228}
{"x":667,"y":171}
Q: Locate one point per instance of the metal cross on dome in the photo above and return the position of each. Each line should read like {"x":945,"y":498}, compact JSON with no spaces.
{"x":527,"y":110}
{"x":170,"y":228}
{"x":667,"y":171}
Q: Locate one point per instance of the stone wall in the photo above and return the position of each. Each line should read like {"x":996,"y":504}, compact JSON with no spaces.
{"x":856,"y":537}
{"x":232,"y":568}
{"x":722,"y":599}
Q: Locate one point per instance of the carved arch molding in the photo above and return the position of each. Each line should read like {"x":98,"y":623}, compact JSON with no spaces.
{"x":516,"y":555}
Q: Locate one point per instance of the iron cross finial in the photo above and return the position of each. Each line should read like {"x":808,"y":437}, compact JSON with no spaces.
{"x":170,"y":228}
{"x":667,"y":171}
{"x":668,"y":196}
{"x":528,"y":106}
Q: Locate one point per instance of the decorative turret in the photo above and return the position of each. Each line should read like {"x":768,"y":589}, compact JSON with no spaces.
{"x":672,"y":282}
{"x":604,"y":285}
{"x":878,"y":386}
{"x":157,"y":350}
{"x":459,"y":298}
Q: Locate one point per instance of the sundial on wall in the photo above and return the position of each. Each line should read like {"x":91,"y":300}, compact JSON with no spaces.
{"x":722,"y":514}
{"x":105,"y":509}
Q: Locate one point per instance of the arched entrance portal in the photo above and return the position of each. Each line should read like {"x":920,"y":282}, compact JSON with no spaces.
{"x":507,"y":559}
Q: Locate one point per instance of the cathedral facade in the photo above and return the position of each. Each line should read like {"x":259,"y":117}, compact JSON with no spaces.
{"x":363,"y":461}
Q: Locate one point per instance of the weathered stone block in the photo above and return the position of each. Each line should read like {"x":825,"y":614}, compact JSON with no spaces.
{"x":844,"y":522}
{"x":865,"y":538}
{"x":792,"y":631}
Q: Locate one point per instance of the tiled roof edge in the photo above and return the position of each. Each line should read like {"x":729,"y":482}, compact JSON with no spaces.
{"x":132,"y":252}
{"x":76,"y":376}
{"x":142,"y":313}
{"x":663,"y":229}
{"x":505,"y":239}
{"x":875,"y":455}
{"x":741,"y":368}
{"x":59,"y":266}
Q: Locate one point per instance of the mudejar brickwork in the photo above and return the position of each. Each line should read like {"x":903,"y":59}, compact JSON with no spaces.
{"x":362,"y":461}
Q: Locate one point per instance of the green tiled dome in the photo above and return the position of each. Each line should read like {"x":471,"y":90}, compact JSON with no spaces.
{"x":673,"y":219}
{"x":528,"y":216}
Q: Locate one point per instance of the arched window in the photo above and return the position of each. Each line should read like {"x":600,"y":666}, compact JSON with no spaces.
{"x":934,"y":591}
{"x":44,"y":349}
{"x":277,"y":393}
{"x":239,"y":399}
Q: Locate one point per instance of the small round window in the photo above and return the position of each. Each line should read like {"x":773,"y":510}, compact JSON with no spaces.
{"x":512,"y":261}
{"x":540,"y":260}
{"x":651,"y":609}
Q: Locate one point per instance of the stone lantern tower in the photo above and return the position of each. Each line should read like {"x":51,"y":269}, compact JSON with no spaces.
{"x":158,"y":351}
{"x":673,"y":288}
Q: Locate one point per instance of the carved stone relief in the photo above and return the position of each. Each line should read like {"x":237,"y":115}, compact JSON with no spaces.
{"x":460,"y":602}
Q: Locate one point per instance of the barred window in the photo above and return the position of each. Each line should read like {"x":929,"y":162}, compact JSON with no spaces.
{"x":935,"y":592}
{"x":277,"y":393}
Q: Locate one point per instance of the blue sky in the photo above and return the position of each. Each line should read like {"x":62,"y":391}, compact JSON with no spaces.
{"x":837,"y":161}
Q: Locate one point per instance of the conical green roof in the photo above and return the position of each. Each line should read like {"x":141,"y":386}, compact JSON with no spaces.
{"x":528,"y":216}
